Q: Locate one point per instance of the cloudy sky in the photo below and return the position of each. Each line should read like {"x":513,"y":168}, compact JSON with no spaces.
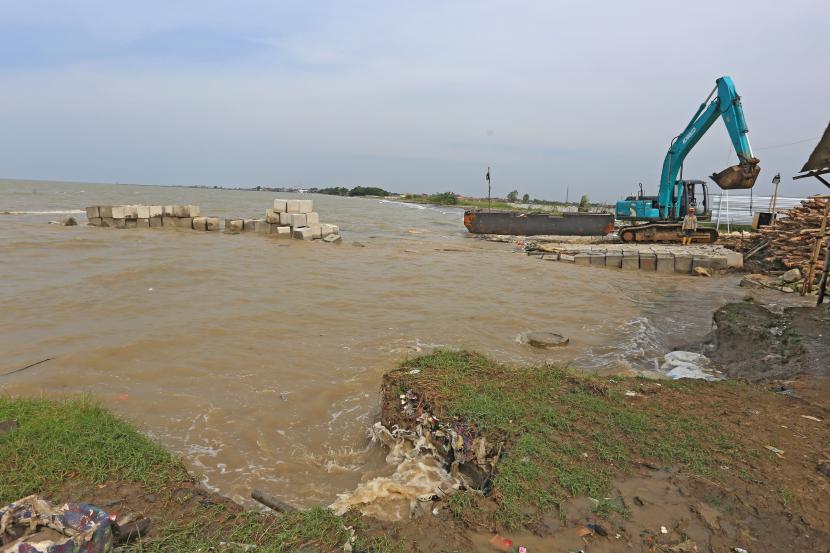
{"x":411,"y":96}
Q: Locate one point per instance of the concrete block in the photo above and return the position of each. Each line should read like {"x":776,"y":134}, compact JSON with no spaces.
{"x":582,"y":259}
{"x":665,"y":263}
{"x":234,"y":225}
{"x":316,"y":231}
{"x":95,"y":221}
{"x":292,"y":206}
{"x":131,"y":212}
{"x":550,"y":257}
{"x":249,"y":225}
{"x":648,"y":261}
{"x":306,"y":206}
{"x":285,"y":219}
{"x":329,"y":229}
{"x":181,"y":211}
{"x":298,"y":220}
{"x":302,"y":233}
{"x":567,"y":258}
{"x":683,"y":263}
{"x":168,"y":210}
{"x":92,"y":212}
{"x":701,"y":261}
{"x":142,"y":223}
{"x":143,"y":211}
{"x":118,"y":212}
{"x":613,"y":259}
{"x":630,"y":261}
{"x":213,"y":224}
{"x":272,"y":217}
{"x":185,"y":222}
{"x":734,"y":259}
{"x":130,"y":223}
{"x":155,"y":210}
{"x":107,"y":222}
{"x":283,"y":232}
{"x":119,"y":223}
{"x":598,"y":259}
{"x":105,"y":211}
{"x":312,"y":218}
{"x":262,"y":226}
{"x":280,"y":206}
{"x":719,"y":263}
{"x":155,"y":221}
{"x":200,"y":223}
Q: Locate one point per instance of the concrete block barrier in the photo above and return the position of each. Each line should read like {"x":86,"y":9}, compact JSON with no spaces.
{"x":630,"y":260}
{"x":142,"y":223}
{"x":306,"y":206}
{"x":96,"y":221}
{"x":312,"y":218}
{"x":597,"y":259}
{"x":582,"y":259}
{"x":155,"y":221}
{"x":200,"y":223}
{"x":302,"y":233}
{"x":665,"y":263}
{"x":262,"y":226}
{"x":613,"y":259}
{"x":272,"y":216}
{"x":299,"y":220}
{"x":280,"y":206}
{"x":292,"y":206}
{"x":93,"y":213}
{"x":683,"y":264}
{"x":249,"y":225}
{"x":648,"y":261}
{"x":130,"y":223}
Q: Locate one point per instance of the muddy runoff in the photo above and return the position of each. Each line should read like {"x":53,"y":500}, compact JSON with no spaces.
{"x":259,"y":361}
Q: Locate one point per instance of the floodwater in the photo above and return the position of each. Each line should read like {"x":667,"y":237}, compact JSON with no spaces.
{"x":259,"y":360}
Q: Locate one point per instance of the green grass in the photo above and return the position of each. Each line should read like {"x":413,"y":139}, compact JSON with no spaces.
{"x":75,"y":438}
{"x":565,"y":435}
{"x":79,"y":440}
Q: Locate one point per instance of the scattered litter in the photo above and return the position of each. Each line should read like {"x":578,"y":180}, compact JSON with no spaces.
{"x":583,"y":531}
{"x":630,"y":393}
{"x":149,"y":289}
{"x":123,"y":397}
{"x":701,"y":271}
{"x":436,"y":511}
{"x":775,"y":450}
{"x":414,"y":371}
{"x":522,"y":549}
{"x":598,"y":529}
{"x":501,"y":543}
{"x":739,"y":550}
{"x":664,"y":530}
{"x":687,"y":364}
{"x":33,"y":525}
{"x":811,"y":418}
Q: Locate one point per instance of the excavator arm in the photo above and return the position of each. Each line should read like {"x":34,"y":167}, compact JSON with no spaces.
{"x":726,"y":104}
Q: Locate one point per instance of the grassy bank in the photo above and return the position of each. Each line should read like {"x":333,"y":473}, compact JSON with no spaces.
{"x":75,"y":449}
{"x":566,"y":435}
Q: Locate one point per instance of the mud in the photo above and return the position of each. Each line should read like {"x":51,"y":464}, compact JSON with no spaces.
{"x":754,"y":343}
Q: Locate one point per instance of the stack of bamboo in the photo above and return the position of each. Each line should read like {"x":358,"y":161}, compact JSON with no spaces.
{"x":793,"y":238}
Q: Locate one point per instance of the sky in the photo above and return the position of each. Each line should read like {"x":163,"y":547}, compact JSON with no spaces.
{"x":554,"y":96}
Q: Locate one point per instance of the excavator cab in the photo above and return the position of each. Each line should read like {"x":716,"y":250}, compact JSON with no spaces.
{"x":697,"y":198}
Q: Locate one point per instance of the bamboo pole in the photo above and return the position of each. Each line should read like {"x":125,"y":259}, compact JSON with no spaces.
{"x":825,"y":275}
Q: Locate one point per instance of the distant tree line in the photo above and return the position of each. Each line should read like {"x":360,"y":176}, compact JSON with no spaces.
{"x":356,"y":191}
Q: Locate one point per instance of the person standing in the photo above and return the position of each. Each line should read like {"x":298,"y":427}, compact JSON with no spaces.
{"x":689,"y":226}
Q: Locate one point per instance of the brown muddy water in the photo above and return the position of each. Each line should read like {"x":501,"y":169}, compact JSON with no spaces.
{"x":260,"y":360}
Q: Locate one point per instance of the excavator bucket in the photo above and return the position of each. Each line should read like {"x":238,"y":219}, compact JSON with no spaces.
{"x":738,"y":177}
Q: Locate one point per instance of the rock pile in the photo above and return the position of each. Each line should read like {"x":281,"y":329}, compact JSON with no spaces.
{"x":150,"y":216}
{"x":288,"y":219}
{"x":794,"y":235}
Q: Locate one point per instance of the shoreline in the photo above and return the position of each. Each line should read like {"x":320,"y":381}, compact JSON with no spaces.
{"x":552,"y":439}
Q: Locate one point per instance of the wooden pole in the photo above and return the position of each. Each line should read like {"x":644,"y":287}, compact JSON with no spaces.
{"x":272,"y":502}
{"x":825,"y":275}
{"x":808,"y":279}
{"x":774,"y":201}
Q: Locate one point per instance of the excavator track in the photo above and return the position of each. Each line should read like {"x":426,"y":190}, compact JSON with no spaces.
{"x":665,"y":232}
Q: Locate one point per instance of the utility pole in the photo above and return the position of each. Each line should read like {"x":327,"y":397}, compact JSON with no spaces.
{"x":487,"y":176}
{"x":567,"y":193}
{"x":776,"y":180}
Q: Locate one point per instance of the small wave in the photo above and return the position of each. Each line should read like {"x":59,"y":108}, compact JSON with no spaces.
{"x":404,"y":204}
{"x":45,"y":212}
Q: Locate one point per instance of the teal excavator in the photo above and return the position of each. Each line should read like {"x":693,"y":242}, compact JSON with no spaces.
{"x":658,"y":218}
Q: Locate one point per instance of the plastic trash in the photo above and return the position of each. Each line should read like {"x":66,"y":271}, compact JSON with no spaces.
{"x":501,"y":543}
{"x":33,"y":525}
{"x":664,"y":530}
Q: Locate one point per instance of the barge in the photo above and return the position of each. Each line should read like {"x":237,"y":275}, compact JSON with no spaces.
{"x":532,"y":224}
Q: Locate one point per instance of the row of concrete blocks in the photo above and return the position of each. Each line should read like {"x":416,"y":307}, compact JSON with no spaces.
{"x":293,"y":206}
{"x":165,"y":221}
{"x":301,"y":231}
{"x":141,"y":211}
{"x":646,"y":261}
